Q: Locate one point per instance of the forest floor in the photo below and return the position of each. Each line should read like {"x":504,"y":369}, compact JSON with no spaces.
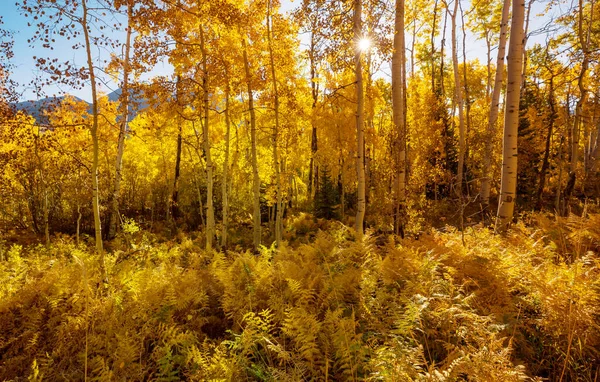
{"x":523,"y":306}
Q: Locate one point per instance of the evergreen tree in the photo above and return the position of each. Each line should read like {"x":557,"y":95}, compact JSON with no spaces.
{"x":327,"y":197}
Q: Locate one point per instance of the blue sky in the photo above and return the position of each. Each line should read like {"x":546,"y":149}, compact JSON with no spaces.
{"x":25,"y":69}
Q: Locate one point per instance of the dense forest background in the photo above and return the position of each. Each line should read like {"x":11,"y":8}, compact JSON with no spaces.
{"x":337,"y":191}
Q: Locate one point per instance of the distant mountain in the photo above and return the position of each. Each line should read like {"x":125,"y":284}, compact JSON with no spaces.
{"x":137,"y":103}
{"x":36,"y":108}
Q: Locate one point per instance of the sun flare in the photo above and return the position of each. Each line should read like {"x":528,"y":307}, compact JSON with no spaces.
{"x":364,"y":44}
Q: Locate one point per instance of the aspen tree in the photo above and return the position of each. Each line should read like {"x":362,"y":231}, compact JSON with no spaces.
{"x":360,"y":120}
{"x":399,"y":117}
{"x":494,"y":106}
{"x":279,"y":205}
{"x":73,"y":20}
{"x":113,"y":218}
{"x":583,"y":38}
{"x":225,"y":182}
{"x":93,"y":131}
{"x":508,"y":187}
{"x":461,"y":121}
{"x":255,"y":176}
{"x":210,"y":210}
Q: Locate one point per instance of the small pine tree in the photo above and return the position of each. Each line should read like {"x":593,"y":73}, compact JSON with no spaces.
{"x":327,"y":197}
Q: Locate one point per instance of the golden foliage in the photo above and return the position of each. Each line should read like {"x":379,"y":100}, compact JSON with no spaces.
{"x":497,"y":309}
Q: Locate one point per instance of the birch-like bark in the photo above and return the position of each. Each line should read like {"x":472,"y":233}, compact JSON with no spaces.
{"x":225,"y":183}
{"x":546,"y":159}
{"x":94,"y":133}
{"x":508,"y":187}
{"x":578,"y":117}
{"x":113,"y":219}
{"x":255,"y":177}
{"x":466,"y":103}
{"x":433,"y":30}
{"x":210,"y":211}
{"x":174,"y":202}
{"x":360,"y":121}
{"x":399,"y":117}
{"x":313,"y":170}
{"x":494,"y":106}
{"x":279,"y":205}
{"x":461,"y":121}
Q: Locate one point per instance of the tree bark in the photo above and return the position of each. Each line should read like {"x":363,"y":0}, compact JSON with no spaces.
{"x":255,"y":177}
{"x":313,"y":170}
{"x":113,"y":217}
{"x":279,"y":204}
{"x":210,"y":211}
{"x":175,"y":194}
{"x":546,"y":159}
{"x":433,"y":30}
{"x":508,"y":188}
{"x":399,"y":117}
{"x":461,"y":121}
{"x":578,"y":118}
{"x":44,"y":188}
{"x":225,"y":183}
{"x":94,"y":133}
{"x":467,"y":104}
{"x":494,"y":106}
{"x":360,"y":121}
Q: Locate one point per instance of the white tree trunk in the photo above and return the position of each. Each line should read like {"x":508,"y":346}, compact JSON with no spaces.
{"x":494,"y":106}
{"x":210,"y":211}
{"x":458,"y":99}
{"x":399,"y":117}
{"x":113,"y":220}
{"x":508,"y":187}
{"x":94,"y":133}
{"x":225,"y":183}
{"x":255,"y":176}
{"x":360,"y":121}
{"x":279,"y":205}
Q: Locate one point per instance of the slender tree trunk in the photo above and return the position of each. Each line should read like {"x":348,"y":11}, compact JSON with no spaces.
{"x":225,"y":182}
{"x":557,"y":208}
{"x":525,"y":37}
{"x":488,"y":82}
{"x":508,"y":188}
{"x":546,"y":159}
{"x":255,"y":177}
{"x":595,"y":153}
{"x":578,"y":118}
{"x":494,"y":106}
{"x":588,"y":140}
{"x":279,"y":205}
{"x":369,"y":127}
{"x":313,"y":170}
{"x":442,"y":92}
{"x":175,"y":194}
{"x":210,"y":211}
{"x":467,"y":103}
{"x":174,"y":199}
{"x":113,"y":217}
{"x":78,"y":225}
{"x":433,"y":30}
{"x":360,"y":121}
{"x":94,"y":133}
{"x":399,"y":117}
{"x":44,"y":189}
{"x":461,"y":121}
{"x":341,"y":188}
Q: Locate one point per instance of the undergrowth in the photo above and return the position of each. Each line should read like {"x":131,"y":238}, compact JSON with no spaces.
{"x":500,"y":308}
